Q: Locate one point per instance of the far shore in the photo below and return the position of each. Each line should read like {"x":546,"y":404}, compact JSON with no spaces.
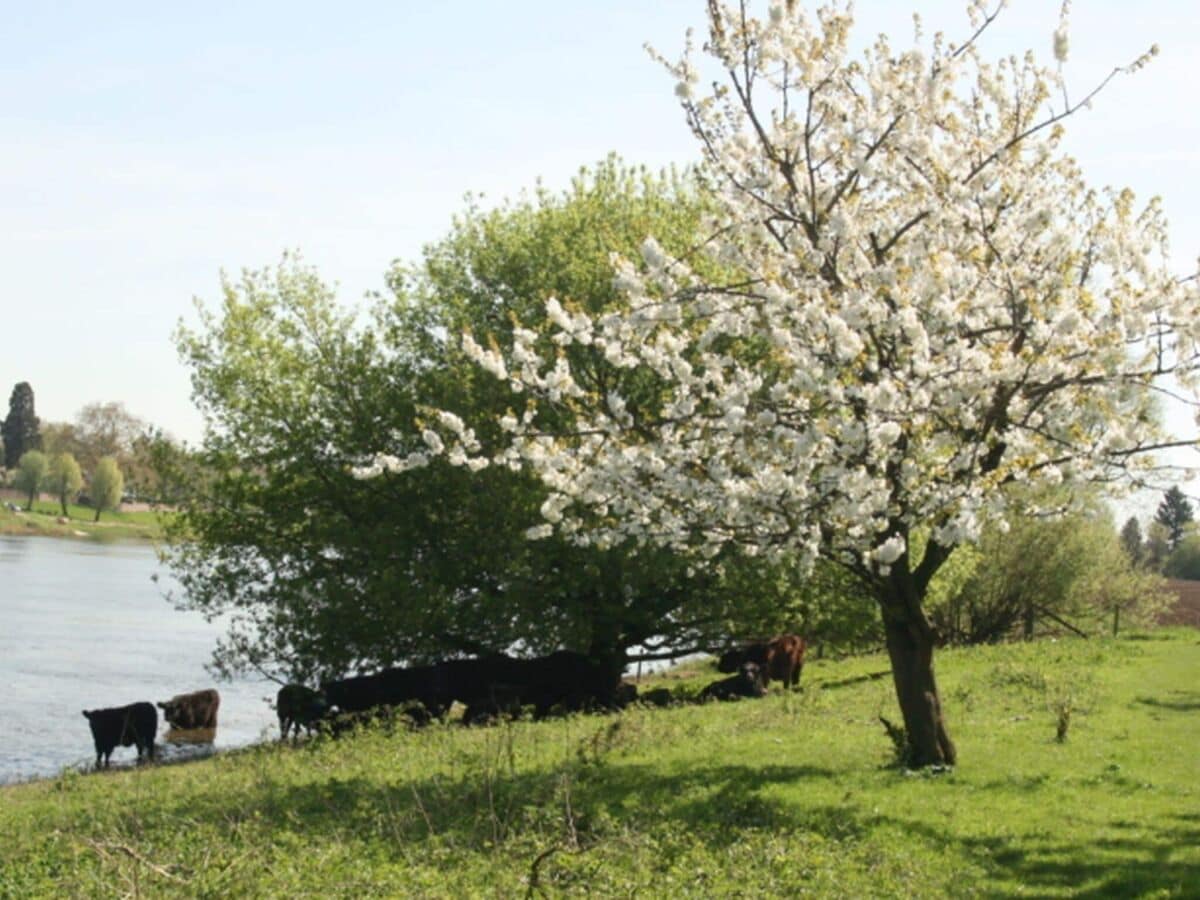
{"x":129,"y":522}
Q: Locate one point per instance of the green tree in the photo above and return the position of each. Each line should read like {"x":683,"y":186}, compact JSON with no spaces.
{"x":1184,"y":561}
{"x":20,"y":428}
{"x":107,"y":485}
{"x":1046,"y":574}
{"x":1174,"y":513}
{"x":1157,"y":546}
{"x":1131,"y":541}
{"x":64,"y":478}
{"x":324,"y":571}
{"x":31,"y":474}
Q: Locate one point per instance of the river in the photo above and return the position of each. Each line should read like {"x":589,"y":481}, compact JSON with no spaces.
{"x":86,"y":625}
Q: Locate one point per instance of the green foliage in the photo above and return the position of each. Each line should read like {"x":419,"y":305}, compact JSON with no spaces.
{"x":31,"y":474}
{"x":1174,"y":513}
{"x":1131,"y":541}
{"x":64,"y":479}
{"x":1184,"y":561}
{"x":789,"y":794}
{"x":324,"y":572}
{"x":1050,"y":573}
{"x":19,"y":430}
{"x":107,"y":485}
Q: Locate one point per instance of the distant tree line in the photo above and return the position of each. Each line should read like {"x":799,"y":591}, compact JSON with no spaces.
{"x":107,"y":452}
{"x":1171,"y":543}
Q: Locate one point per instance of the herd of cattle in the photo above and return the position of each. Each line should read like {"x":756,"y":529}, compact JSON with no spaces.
{"x":487,"y":687}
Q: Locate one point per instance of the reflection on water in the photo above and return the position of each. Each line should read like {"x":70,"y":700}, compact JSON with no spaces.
{"x":82,"y":626}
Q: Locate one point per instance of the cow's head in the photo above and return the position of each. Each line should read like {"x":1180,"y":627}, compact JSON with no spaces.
{"x":750,"y":676}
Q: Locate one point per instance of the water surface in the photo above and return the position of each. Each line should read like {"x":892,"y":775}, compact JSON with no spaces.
{"x":85,"y":625}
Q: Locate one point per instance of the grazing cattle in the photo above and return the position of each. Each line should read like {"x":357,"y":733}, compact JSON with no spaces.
{"x":123,"y":726}
{"x":195,"y":710}
{"x":781,"y":658}
{"x":626,"y":694}
{"x":746,"y":683}
{"x":424,"y":685}
{"x":564,"y":680}
{"x":487,"y":686}
{"x":299,"y":707}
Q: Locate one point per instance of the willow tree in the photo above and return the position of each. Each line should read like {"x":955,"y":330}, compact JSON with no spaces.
{"x":935,"y":304}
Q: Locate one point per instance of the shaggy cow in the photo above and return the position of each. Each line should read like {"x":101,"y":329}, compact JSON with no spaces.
{"x":195,"y":710}
{"x":746,"y":683}
{"x":125,"y":726}
{"x":299,"y":707}
{"x":781,"y":658}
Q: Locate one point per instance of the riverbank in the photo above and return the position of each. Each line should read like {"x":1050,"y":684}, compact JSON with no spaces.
{"x":793,"y":794}
{"x":139,"y":523}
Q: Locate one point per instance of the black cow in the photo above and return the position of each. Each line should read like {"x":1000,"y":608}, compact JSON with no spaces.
{"x":746,"y":683}
{"x":136,"y":723}
{"x":564,"y":680}
{"x":195,"y":710}
{"x":658,"y":697}
{"x":299,"y":707}
{"x":419,"y":688}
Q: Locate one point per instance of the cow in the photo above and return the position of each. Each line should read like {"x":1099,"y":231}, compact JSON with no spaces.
{"x":563,"y":680}
{"x":299,"y":707}
{"x":423,"y":691}
{"x":658,"y":697}
{"x":125,"y":726}
{"x":746,"y":683}
{"x":189,"y":711}
{"x":781,"y":658}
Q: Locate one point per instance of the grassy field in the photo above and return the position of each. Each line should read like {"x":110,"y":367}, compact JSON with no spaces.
{"x":792,"y":795}
{"x":44,"y":518}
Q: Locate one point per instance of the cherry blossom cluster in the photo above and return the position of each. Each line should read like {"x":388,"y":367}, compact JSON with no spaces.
{"x":923,"y":301}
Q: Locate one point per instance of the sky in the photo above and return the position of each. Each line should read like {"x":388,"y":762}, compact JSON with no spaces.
{"x":146,"y":147}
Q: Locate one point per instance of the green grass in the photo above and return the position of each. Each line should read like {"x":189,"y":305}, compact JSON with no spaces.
{"x":43,"y":520}
{"x":792,"y":795}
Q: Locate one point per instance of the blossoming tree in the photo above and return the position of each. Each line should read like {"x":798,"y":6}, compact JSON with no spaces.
{"x":931,"y":304}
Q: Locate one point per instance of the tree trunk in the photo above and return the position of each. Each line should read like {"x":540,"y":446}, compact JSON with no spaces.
{"x":910,"y":648}
{"x":97,"y":519}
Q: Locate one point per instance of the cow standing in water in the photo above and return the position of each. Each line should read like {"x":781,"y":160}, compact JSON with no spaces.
{"x":123,"y":726}
{"x":195,"y":710}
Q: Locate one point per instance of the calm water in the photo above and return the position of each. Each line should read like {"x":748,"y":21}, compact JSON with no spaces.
{"x":83,"y":625}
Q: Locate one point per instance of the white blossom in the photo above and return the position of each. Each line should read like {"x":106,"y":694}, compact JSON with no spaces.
{"x":923,"y":300}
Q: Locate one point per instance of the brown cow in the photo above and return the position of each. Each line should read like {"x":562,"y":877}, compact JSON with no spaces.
{"x":781,"y":658}
{"x":195,"y":710}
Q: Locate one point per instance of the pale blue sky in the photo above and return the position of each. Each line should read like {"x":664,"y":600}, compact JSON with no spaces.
{"x":145,"y":146}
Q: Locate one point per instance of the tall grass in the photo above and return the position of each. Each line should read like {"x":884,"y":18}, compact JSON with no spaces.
{"x":792,"y":795}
